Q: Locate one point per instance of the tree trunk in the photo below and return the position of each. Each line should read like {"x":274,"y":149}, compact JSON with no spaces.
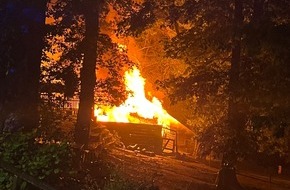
{"x":235,"y":117}
{"x":236,"y":120}
{"x":258,"y":12}
{"x":21,"y":41}
{"x":88,"y":75}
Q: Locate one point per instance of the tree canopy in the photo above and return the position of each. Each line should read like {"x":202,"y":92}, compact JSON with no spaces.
{"x":205,"y":37}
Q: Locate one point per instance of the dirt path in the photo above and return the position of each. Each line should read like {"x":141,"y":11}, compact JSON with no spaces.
{"x":262,"y":182}
{"x":169,"y":173}
{"x":165,"y":172}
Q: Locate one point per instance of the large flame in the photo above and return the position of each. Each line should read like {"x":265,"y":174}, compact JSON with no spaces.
{"x":135,"y":104}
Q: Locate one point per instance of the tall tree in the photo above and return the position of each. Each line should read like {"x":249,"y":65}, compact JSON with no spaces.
{"x":22,"y":40}
{"x":86,"y":45}
{"x":236,"y":119}
{"x":88,"y":73}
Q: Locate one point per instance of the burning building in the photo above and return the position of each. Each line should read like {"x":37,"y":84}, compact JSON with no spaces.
{"x":142,"y":120}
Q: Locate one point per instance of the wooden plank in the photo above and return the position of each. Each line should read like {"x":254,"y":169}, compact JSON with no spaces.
{"x":147,"y":136}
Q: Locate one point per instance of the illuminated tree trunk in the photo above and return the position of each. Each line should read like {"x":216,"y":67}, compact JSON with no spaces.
{"x":227,"y":176}
{"x":21,"y":40}
{"x":235,"y":117}
{"x":88,"y":75}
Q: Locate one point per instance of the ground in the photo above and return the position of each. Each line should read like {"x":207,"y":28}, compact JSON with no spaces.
{"x":170,"y":173}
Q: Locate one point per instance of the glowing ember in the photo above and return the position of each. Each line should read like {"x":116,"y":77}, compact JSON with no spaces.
{"x":136,"y":104}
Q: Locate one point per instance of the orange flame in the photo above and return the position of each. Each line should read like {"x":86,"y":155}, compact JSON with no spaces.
{"x":135,"y":104}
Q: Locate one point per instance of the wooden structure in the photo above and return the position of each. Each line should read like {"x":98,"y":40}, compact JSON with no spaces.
{"x":169,"y":138}
{"x":144,"y":135}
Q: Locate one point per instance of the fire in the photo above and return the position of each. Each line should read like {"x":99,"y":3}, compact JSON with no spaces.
{"x":135,"y":104}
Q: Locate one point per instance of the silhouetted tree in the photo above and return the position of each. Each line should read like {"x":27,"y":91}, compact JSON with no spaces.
{"x":91,"y":50}
{"x":21,"y":42}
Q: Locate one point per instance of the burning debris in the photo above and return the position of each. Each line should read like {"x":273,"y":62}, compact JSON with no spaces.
{"x":138,"y":149}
